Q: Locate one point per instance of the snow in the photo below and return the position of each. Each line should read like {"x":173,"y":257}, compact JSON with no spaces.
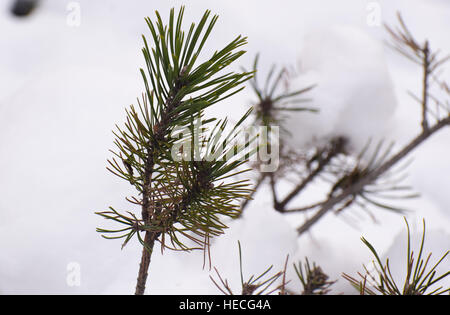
{"x":436,"y":241}
{"x":352,"y":80}
{"x":64,"y":88}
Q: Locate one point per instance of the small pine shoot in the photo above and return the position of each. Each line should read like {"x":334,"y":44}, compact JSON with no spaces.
{"x":183,"y":175}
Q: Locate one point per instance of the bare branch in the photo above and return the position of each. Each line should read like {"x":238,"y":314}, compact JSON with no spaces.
{"x":372,"y":176}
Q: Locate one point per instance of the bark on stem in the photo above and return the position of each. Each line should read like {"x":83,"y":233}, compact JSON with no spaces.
{"x":426,"y":73}
{"x":160,"y":132}
{"x":354,"y":189}
{"x":149,"y":239}
{"x":337,"y":147}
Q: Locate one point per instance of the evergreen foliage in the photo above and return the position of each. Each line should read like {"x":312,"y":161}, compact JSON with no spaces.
{"x":186,"y":192}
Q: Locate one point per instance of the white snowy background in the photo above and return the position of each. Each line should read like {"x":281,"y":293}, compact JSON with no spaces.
{"x":62,"y":89}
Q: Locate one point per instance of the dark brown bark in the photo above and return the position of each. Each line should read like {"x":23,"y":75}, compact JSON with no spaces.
{"x":337,"y":147}
{"x":160,"y":132}
{"x":426,"y":73}
{"x":372,"y":176}
{"x":149,"y":239}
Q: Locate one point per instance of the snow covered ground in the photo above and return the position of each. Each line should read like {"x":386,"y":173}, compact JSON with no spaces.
{"x":63,"y":87}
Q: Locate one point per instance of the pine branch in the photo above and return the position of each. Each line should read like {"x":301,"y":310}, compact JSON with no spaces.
{"x":419,"y":279}
{"x":273,"y":102}
{"x":354,"y":181}
{"x":313,"y":279}
{"x":181,"y":193}
{"x":361,"y":184}
{"x":337,"y":146}
{"x":255,"y":285}
{"x":372,"y":176}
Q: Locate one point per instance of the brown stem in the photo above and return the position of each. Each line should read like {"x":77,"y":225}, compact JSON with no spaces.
{"x":274,"y":191}
{"x":151,"y":237}
{"x":426,"y":72}
{"x":149,"y":240}
{"x":160,"y":130}
{"x":337,"y":146}
{"x":372,"y":176}
{"x":303,"y":209}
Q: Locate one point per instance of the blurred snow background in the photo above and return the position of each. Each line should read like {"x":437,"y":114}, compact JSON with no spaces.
{"x":63,"y":88}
